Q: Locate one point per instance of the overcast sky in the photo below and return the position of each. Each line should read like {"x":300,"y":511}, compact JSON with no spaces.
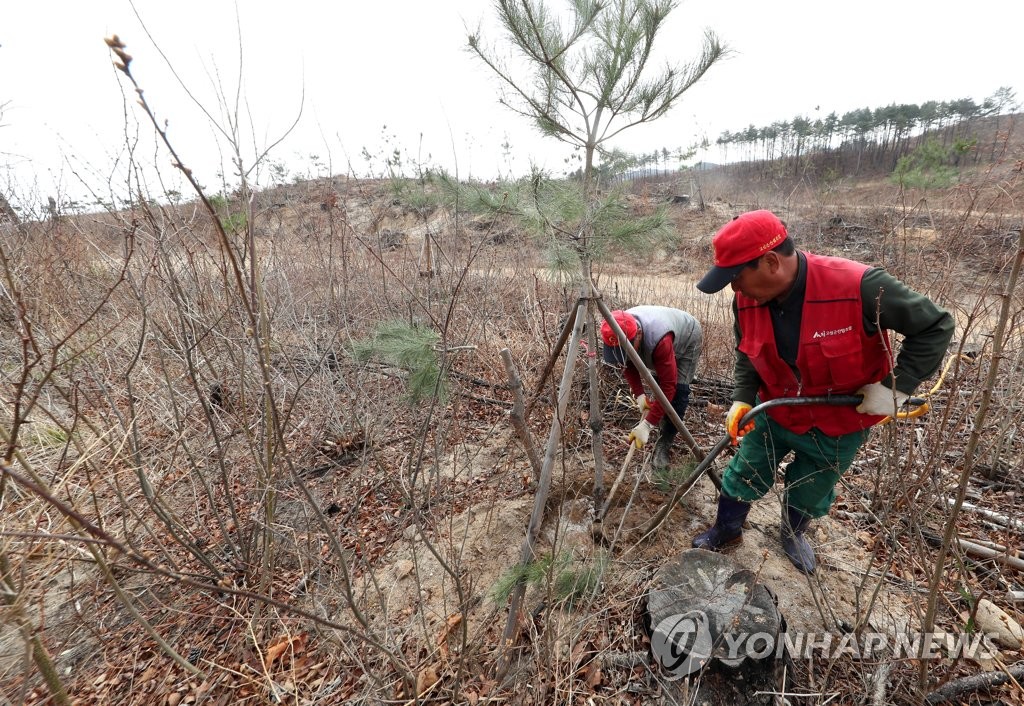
{"x":353,"y":68}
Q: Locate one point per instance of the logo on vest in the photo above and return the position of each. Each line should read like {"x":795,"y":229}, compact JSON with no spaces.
{"x":833,"y":332}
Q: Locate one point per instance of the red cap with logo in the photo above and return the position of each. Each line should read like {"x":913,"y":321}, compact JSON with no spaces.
{"x":612,"y":351}
{"x":746,"y":237}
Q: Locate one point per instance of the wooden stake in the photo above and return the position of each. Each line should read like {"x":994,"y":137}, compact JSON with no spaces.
{"x":516,"y":415}
{"x":552,"y":359}
{"x":596,"y":415}
{"x":508,"y":637}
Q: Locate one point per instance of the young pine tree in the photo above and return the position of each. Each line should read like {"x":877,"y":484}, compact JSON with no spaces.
{"x":583,"y":76}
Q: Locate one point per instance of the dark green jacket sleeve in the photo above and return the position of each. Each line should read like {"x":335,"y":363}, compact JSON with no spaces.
{"x":926,"y":328}
{"x":746,"y":381}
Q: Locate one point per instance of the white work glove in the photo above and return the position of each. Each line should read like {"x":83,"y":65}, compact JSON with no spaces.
{"x":732,"y":421}
{"x":641,"y":433}
{"x":641,"y":403}
{"x":880,"y":400}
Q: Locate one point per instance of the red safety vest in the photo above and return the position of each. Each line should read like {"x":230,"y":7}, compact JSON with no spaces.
{"x":835,"y":355}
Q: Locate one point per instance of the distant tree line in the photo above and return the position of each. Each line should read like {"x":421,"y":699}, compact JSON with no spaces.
{"x":616,"y":164}
{"x":871,"y":139}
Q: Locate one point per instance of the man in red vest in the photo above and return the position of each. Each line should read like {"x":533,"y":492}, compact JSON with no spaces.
{"x":809,"y":325}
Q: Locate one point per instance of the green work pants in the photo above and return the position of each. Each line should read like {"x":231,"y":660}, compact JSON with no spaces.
{"x":818,"y":462}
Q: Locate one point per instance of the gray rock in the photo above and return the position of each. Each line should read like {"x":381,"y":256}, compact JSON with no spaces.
{"x":1004,"y":629}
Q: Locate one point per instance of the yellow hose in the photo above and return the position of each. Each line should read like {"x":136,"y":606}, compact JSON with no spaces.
{"x":923,"y":409}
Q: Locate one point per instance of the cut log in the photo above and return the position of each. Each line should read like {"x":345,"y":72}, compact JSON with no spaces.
{"x":706,"y":610}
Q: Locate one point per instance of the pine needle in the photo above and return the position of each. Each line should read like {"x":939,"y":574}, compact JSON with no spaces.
{"x":410,"y":347}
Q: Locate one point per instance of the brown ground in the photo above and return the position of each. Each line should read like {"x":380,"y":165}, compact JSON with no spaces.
{"x":423,"y":572}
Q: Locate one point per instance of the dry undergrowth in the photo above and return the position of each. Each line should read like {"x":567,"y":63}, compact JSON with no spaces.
{"x":293,"y":529}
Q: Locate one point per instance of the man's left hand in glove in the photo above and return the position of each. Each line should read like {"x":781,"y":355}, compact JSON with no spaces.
{"x":880,"y":400}
{"x":641,"y":433}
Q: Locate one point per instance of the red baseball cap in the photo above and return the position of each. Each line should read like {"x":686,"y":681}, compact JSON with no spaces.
{"x":746,"y":237}
{"x":612,"y":352}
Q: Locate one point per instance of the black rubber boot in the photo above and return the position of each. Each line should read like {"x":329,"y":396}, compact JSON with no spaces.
{"x":662,"y":454}
{"x":667,"y":430}
{"x":663,"y":449}
{"x":796,"y":546}
{"x":728,"y":527}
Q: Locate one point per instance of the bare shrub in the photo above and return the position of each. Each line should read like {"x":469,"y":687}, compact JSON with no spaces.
{"x":200,"y":472}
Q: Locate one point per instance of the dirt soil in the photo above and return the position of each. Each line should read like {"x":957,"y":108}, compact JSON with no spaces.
{"x":428,"y":575}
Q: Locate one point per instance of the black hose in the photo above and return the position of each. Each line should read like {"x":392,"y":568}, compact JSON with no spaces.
{"x":833,"y":400}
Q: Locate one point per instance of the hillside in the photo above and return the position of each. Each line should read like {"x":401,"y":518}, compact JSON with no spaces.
{"x":273,"y":463}
{"x":871,"y":142}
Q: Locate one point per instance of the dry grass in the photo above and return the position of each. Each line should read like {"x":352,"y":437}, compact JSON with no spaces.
{"x":289,"y":524}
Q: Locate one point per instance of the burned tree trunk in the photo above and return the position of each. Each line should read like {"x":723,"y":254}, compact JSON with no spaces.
{"x":709,"y":615}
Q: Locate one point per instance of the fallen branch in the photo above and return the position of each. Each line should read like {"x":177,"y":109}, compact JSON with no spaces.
{"x":979,"y":552}
{"x":615,"y":485}
{"x":1002,"y":520}
{"x":1016,"y":553}
{"x":480,"y":382}
{"x":976,"y":551}
{"x":879,"y":682}
{"x":953,"y":691}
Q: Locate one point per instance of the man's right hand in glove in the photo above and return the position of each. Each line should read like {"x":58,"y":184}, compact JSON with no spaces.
{"x":641,"y":433}
{"x":732,"y":421}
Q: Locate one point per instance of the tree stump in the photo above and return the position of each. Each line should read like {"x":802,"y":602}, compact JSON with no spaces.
{"x":709,"y":615}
